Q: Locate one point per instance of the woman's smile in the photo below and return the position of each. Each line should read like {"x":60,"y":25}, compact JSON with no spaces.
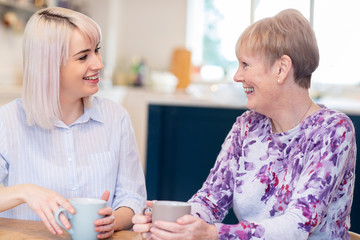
{"x":92,"y":79}
{"x":248,"y":90}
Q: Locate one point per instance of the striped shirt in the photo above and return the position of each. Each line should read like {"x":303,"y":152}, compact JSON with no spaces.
{"x":97,"y":152}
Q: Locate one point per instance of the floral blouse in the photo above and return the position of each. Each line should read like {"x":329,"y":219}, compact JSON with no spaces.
{"x":293,"y":185}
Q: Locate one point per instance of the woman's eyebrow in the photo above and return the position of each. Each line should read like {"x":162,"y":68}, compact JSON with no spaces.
{"x":82,"y":51}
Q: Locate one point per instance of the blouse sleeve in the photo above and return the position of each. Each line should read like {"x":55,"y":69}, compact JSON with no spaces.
{"x":130,"y":187}
{"x":213,"y":201}
{"x":328,"y":174}
{"x":3,"y":152}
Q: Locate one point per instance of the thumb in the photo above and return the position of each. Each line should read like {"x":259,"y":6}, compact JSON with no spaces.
{"x":106,"y":195}
{"x":186,"y":219}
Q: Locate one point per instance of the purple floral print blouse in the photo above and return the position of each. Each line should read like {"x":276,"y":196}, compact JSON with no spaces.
{"x":293,"y":185}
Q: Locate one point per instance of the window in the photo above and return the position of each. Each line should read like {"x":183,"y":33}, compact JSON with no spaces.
{"x":335,"y":25}
{"x":215,"y":25}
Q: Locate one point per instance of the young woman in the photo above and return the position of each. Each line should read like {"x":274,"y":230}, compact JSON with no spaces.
{"x":58,"y":141}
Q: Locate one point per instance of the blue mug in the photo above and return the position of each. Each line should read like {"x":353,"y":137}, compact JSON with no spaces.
{"x":82,"y":222}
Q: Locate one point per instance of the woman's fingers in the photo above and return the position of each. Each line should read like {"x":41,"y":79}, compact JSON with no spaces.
{"x":105,"y":235}
{"x":65,"y":204}
{"x":106,"y":195}
{"x":142,"y":223}
{"x":105,"y":221}
{"x":146,"y":235}
{"x":64,"y":220}
{"x":46,"y":222}
{"x":150,"y":203}
{"x":106,"y":211}
{"x":140,"y":219}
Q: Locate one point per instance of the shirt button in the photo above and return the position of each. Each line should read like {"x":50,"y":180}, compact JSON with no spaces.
{"x":69,"y":159}
{"x":74,"y":188}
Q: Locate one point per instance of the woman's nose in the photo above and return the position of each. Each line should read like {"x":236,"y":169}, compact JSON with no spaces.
{"x":238,"y":77}
{"x":97,"y":64}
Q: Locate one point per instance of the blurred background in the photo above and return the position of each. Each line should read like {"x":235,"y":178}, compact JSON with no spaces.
{"x":140,"y":36}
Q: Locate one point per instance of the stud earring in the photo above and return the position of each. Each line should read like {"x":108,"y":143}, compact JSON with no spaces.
{"x":278,"y":81}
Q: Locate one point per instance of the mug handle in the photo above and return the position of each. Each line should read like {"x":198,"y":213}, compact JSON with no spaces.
{"x":146,"y":210}
{"x":68,"y":215}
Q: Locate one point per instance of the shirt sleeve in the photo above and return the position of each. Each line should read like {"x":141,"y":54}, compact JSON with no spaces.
{"x":130,"y":188}
{"x":3,"y":152}
{"x":327,"y":175}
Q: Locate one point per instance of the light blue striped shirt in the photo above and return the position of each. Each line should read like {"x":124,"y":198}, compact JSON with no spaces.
{"x":98,"y":152}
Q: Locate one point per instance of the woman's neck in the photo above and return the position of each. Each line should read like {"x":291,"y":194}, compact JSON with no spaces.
{"x":291,"y":110}
{"x":71,"y":111}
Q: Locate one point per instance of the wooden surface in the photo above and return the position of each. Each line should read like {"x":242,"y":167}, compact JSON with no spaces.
{"x":12,"y":229}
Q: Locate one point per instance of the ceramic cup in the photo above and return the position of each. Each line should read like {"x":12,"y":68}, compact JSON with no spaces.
{"x":169,"y":211}
{"x":82,"y":222}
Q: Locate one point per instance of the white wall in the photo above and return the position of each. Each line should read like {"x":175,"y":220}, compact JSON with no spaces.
{"x":152,"y":29}
{"x":10,"y":56}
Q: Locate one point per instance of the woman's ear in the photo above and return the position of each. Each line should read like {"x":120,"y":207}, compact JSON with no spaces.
{"x":283,"y":68}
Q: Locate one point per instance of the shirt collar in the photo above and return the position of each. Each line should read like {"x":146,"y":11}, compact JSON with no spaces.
{"x":92,"y":113}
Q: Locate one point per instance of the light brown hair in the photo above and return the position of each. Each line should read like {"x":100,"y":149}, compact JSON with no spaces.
{"x":287,"y":33}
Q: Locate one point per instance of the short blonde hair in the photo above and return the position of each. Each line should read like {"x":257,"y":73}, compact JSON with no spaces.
{"x":287,"y":33}
{"x":45,"y":48}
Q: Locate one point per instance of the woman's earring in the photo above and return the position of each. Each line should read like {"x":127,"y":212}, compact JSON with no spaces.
{"x":278,"y":81}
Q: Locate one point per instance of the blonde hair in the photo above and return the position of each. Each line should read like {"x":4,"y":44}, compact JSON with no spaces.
{"x":45,"y":48}
{"x":287,"y":33}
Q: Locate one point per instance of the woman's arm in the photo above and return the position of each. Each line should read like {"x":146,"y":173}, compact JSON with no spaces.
{"x":42,"y":201}
{"x":10,"y":197}
{"x":328,"y":169}
{"x":123,"y":217}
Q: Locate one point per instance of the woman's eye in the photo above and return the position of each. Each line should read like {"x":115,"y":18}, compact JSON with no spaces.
{"x":83,"y":57}
{"x":97,"y":49}
{"x":244,"y":64}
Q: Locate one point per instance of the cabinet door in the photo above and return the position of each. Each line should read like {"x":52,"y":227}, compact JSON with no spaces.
{"x":183,"y":143}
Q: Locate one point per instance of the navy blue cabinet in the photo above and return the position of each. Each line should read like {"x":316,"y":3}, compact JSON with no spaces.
{"x":183,"y":143}
{"x":355,"y":209}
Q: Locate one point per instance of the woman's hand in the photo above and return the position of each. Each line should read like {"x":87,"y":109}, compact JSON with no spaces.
{"x":105,"y":226}
{"x":187,"y":227}
{"x":45,"y":202}
{"x":142,"y":223}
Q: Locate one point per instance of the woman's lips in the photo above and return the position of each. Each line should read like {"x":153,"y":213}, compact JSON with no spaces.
{"x":93,"y":79}
{"x":248,"y":90}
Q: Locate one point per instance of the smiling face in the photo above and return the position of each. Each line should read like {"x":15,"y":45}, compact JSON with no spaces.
{"x":79,"y":76}
{"x":258,"y":80}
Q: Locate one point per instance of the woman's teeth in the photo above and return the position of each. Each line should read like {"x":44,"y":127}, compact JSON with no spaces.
{"x":248,"y":90}
{"x":91,"y":78}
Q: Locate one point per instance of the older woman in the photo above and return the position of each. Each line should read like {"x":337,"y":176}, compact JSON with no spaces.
{"x":287,"y":165}
{"x":58,"y":142}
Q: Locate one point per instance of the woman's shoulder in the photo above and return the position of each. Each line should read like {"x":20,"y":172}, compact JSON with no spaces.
{"x":12,"y":114}
{"x":108,"y":108}
{"x":330,"y":118}
{"x":251,"y":117}
{"x":11,"y":108}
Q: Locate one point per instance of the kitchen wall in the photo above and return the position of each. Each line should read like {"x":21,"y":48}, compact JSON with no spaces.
{"x":131,"y":28}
